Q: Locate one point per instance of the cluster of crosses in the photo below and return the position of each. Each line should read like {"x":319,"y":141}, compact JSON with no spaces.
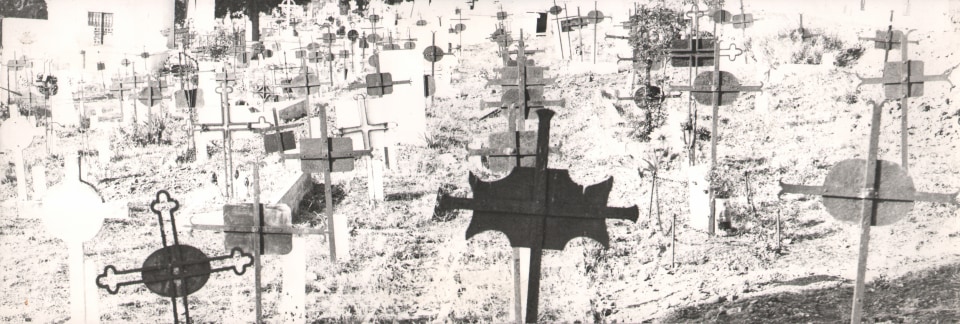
{"x":535,"y":206}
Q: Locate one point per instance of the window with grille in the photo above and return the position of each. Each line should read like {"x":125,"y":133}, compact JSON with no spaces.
{"x":102,"y":23}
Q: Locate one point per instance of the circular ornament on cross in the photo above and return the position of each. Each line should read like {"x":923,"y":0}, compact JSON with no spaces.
{"x":647,"y":94}
{"x":374,"y":60}
{"x":176,"y":271}
{"x":352,"y":35}
{"x":433,"y":53}
{"x":329,"y":38}
{"x":595,"y":16}
{"x":421,"y":23}
{"x":459,"y":27}
{"x":17,"y":133}
{"x":721,"y":16}
{"x":704,"y":88}
{"x":555,"y":10}
{"x":72,"y":210}
{"x":373,"y":38}
{"x":892,"y":180}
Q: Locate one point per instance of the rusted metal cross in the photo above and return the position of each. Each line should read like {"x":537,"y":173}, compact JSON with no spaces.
{"x":870,"y":192}
{"x":175,"y":270}
{"x":539,"y":208}
{"x":366,"y":127}
{"x":903,"y":80}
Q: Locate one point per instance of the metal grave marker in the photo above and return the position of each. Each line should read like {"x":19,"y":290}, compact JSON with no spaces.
{"x":903,"y":80}
{"x":870,"y":192}
{"x":325,"y":155}
{"x":175,"y":270}
{"x":716,"y":88}
{"x":374,"y":166}
{"x":523,"y":87}
{"x":379,"y":83}
{"x":265,"y":230}
{"x":539,"y":208}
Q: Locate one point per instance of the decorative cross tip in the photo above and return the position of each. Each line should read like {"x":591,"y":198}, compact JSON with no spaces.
{"x":164,"y":202}
{"x":110,"y":274}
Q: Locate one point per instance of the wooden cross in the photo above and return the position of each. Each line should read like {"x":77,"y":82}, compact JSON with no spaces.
{"x":523,"y":86}
{"x":305,"y":84}
{"x":263,"y":229}
{"x":716,"y":88}
{"x":870,"y":192}
{"x":175,"y":270}
{"x":326,"y":155}
{"x":227,"y":127}
{"x":903,"y":80}
{"x":539,"y":208}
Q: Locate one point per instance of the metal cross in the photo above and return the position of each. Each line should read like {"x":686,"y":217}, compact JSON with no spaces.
{"x":870,"y":192}
{"x":134,"y":81}
{"x":263,"y":229}
{"x":326,"y":154}
{"x":804,"y":35}
{"x":378,"y":84}
{"x":903,"y":80}
{"x":523,"y":87}
{"x":595,"y":17}
{"x":278,"y":140}
{"x":366,"y":126}
{"x":889,"y":39}
{"x":709,"y":88}
{"x":176,"y":270}
{"x":227,"y":127}
{"x":539,"y":208}
{"x":153,"y":92}
{"x":372,"y":37}
{"x":459,"y":27}
{"x":120,"y":88}
{"x":556,"y":10}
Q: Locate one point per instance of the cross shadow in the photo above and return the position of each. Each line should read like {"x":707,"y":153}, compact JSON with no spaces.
{"x":312,"y":206}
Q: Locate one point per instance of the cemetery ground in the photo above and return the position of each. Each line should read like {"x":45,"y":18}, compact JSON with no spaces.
{"x":408,"y":266}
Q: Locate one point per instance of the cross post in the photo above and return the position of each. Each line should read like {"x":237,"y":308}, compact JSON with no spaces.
{"x":175,"y":270}
{"x":903,"y":80}
{"x":869,"y":192}
{"x":523,"y":86}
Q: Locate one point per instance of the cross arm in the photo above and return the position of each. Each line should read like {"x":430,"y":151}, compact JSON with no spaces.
{"x":535,"y":208}
{"x":259,"y":229}
{"x":334,"y":155}
{"x":233,"y":127}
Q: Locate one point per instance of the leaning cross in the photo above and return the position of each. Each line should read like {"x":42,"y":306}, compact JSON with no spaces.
{"x":326,"y":155}
{"x":903,"y":80}
{"x":872,"y":192}
{"x":539,"y":208}
{"x":176,"y":270}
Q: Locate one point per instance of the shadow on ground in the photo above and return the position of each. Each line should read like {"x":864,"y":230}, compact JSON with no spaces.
{"x":928,"y":296}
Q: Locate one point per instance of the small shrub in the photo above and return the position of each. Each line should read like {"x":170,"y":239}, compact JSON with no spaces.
{"x":849,"y":56}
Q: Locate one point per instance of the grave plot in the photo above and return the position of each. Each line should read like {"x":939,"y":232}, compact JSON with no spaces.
{"x":783,"y":258}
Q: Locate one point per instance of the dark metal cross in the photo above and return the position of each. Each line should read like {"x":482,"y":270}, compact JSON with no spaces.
{"x":523,"y":87}
{"x":539,"y":208}
{"x":305,"y":84}
{"x":870,"y":192}
{"x":889,"y":39}
{"x":227,"y":127}
{"x":176,"y":270}
{"x":804,"y":35}
{"x":373,"y":37}
{"x":325,"y":155}
{"x":556,"y":10}
{"x":903,"y":80}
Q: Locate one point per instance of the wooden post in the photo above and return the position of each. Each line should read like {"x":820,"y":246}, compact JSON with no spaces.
{"x":375,"y":179}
